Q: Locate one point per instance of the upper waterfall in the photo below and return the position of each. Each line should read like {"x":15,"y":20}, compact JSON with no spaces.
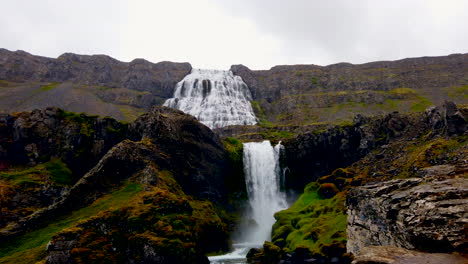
{"x":216,"y":98}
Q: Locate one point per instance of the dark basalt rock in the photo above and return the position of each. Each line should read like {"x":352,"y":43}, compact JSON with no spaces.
{"x":191,"y":146}
{"x":79,"y":140}
{"x":410,"y":213}
{"x":447,"y":118}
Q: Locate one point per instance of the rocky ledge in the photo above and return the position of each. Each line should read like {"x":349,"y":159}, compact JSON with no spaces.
{"x":415,"y":213}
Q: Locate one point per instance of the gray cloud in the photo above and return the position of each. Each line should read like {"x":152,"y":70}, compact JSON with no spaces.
{"x":257,"y":33}
{"x":359,"y":30}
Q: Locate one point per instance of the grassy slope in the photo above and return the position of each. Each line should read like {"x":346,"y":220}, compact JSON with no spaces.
{"x":31,"y":246}
{"x":16,"y":97}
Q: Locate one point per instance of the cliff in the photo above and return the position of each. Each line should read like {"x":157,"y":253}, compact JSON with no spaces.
{"x":304,"y":94}
{"x":95,"y":84}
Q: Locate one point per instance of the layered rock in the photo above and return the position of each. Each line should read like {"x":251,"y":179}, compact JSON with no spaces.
{"x":101,"y":70}
{"x":410,"y":213}
{"x":301,"y":94}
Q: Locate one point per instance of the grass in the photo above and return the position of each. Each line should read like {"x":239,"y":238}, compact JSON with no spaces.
{"x":458,"y":92}
{"x":312,"y":222}
{"x":130,"y":113}
{"x":48,"y":87}
{"x":262,"y":121}
{"x":30,"y":247}
{"x":55,"y":170}
{"x":421,"y":105}
{"x":425,"y":154}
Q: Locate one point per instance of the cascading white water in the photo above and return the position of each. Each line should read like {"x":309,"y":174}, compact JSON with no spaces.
{"x":263,"y":177}
{"x":216,"y":98}
{"x":262,"y":173}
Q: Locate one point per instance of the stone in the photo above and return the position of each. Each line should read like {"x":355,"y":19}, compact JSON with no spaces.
{"x":410,"y":213}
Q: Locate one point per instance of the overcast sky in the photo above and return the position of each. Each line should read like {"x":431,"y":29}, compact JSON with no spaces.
{"x":219,"y":33}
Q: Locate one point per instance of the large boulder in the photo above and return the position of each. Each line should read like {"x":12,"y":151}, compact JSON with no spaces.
{"x":410,"y":213}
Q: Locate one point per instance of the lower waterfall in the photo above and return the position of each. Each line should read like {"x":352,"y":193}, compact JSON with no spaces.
{"x":263,"y":179}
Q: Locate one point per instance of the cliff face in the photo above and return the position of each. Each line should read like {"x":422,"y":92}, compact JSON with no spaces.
{"x":307,"y":93}
{"x":410,"y":214}
{"x":95,"y":84}
{"x":157,"y":78}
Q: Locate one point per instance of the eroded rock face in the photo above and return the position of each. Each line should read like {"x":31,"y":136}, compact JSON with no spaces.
{"x":410,"y":213}
{"x":157,"y":78}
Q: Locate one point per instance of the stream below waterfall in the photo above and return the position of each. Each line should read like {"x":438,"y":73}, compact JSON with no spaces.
{"x":263,"y":178}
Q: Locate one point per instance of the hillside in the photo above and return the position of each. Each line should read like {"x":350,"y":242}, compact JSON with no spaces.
{"x":97,"y":84}
{"x":284,"y":95}
{"x":307,"y":94}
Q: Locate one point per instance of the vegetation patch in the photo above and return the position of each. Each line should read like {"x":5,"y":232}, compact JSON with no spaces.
{"x":458,"y":92}
{"x":262,"y":121}
{"x":235,"y":181}
{"x":54,"y":170}
{"x":49,"y":86}
{"x":30,"y":247}
{"x":313,"y":222}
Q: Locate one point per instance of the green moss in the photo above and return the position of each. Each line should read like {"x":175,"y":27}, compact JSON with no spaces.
{"x":312,"y":221}
{"x":55,"y":170}
{"x":59,"y":172}
{"x":276,"y":135}
{"x":235,"y":182}
{"x":30,"y":247}
{"x":458,"y":92}
{"x":421,"y":105}
{"x":314,"y":81}
{"x":48,"y":87}
{"x":262,"y":121}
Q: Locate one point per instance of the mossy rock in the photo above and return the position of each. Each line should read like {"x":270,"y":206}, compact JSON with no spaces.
{"x":327,"y":190}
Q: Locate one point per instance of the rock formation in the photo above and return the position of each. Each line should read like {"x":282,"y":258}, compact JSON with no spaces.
{"x":409,"y":213}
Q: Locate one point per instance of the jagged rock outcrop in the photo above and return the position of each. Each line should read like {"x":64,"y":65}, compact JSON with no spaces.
{"x":410,"y":213}
{"x":29,"y":138}
{"x":190,"y":145}
{"x":339,"y":146}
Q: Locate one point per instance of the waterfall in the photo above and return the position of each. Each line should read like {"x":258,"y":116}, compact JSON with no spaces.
{"x":263,"y":177}
{"x":216,"y":98}
{"x":262,"y":173}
